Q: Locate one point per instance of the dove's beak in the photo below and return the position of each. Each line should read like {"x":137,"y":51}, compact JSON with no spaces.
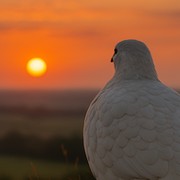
{"x":112,"y":59}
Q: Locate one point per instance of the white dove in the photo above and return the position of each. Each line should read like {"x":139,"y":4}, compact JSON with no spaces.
{"x":132,"y":127}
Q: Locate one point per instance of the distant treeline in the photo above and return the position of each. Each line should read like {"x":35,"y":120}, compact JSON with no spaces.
{"x":41,"y":111}
{"x":53,"y":149}
{"x":51,"y":100}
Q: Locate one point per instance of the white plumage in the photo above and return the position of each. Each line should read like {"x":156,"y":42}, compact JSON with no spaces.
{"x":132,"y":127}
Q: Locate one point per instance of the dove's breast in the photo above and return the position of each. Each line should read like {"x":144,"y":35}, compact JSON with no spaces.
{"x":132,"y":130}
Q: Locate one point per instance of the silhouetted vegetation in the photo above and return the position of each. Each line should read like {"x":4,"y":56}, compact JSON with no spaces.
{"x":53,"y":149}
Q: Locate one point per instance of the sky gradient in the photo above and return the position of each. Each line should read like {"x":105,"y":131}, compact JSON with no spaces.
{"x":77,"y":39}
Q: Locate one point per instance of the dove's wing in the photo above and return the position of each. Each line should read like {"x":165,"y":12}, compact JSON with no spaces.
{"x":135,"y":133}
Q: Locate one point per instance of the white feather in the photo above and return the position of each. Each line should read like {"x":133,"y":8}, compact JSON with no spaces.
{"x":132,"y":128}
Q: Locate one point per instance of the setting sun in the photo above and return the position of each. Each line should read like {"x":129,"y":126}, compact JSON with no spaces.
{"x":36,"y":67}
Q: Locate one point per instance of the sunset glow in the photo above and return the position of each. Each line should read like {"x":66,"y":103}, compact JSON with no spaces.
{"x":36,"y":67}
{"x":77,"y":39}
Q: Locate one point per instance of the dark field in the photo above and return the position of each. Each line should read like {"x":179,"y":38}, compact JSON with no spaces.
{"x":41,"y":134}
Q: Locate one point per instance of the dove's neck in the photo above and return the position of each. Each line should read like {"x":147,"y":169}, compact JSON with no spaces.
{"x":131,"y":68}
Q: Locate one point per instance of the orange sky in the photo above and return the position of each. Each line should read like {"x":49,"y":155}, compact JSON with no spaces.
{"x":77,"y":38}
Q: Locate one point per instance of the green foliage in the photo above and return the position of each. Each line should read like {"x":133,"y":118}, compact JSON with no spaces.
{"x":78,"y":174}
{"x":12,"y":168}
{"x":5,"y":177}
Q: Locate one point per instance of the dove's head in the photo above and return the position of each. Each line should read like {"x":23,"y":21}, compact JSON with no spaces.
{"x":132,"y":60}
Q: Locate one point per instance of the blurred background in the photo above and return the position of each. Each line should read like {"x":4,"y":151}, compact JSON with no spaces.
{"x":41,"y":118}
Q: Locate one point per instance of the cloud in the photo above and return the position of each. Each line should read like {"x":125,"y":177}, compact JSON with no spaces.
{"x":166,"y":14}
{"x":20,"y":25}
{"x":53,"y":29}
{"x":166,"y":18}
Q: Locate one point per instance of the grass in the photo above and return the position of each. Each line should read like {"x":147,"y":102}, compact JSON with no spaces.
{"x":34,"y":126}
{"x":19,"y":168}
{"x":23,"y":168}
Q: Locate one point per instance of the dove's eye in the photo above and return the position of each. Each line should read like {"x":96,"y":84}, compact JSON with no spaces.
{"x":115,"y":51}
